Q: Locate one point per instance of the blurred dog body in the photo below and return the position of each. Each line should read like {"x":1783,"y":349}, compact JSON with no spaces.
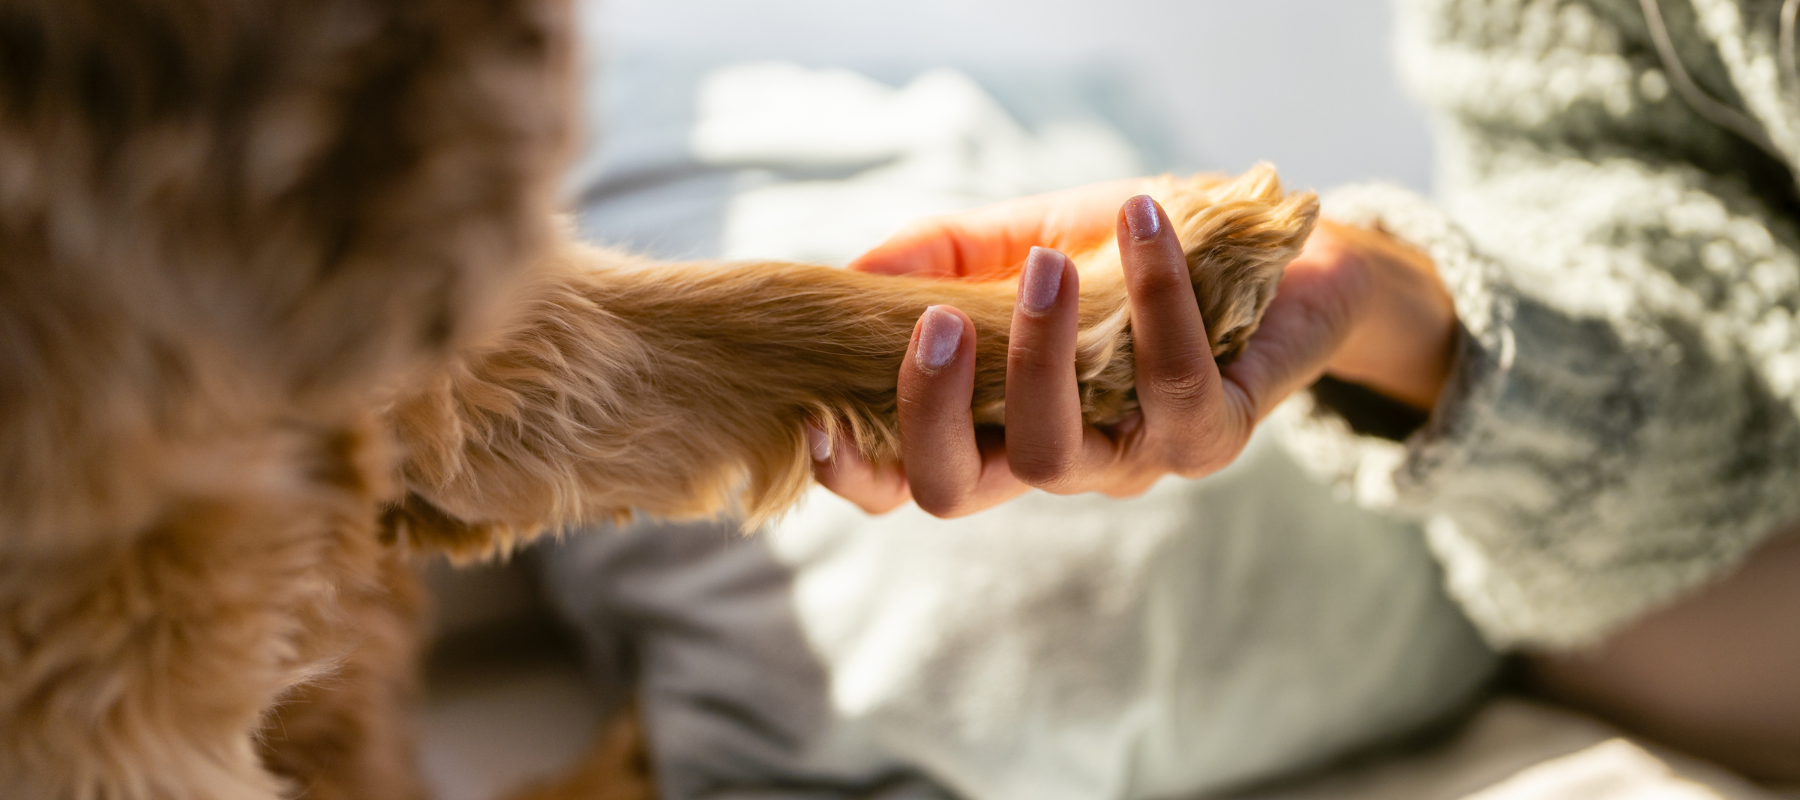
{"x":283,"y":298}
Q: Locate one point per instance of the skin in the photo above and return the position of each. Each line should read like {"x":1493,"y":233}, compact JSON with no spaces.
{"x":1354,"y":303}
{"x":1713,"y":673}
{"x":1716,"y":674}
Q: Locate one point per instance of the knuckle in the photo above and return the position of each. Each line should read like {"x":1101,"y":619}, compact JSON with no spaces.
{"x":914,"y":403}
{"x":1199,"y":462}
{"x":1158,"y":280}
{"x":943,"y":505}
{"x":1183,"y":391}
{"x":925,"y":409}
{"x":1024,"y":356}
{"x":1051,"y":471}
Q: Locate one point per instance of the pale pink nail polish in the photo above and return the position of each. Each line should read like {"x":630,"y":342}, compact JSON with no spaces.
{"x":1141,"y":218}
{"x":939,"y":335}
{"x":819,"y":442}
{"x":1041,"y":280}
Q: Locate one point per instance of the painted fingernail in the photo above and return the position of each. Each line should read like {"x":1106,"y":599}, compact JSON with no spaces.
{"x":1141,"y":218}
{"x":939,"y":335}
{"x":1041,"y":281}
{"x":820,"y":443}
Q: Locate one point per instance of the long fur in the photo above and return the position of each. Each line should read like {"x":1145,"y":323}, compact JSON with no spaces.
{"x":681,"y":389}
{"x":283,"y":298}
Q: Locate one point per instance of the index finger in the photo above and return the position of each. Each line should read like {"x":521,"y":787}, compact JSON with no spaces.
{"x":992,"y":242}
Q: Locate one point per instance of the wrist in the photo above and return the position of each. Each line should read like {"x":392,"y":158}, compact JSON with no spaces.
{"x":1413,"y":371}
{"x":1401,"y":340}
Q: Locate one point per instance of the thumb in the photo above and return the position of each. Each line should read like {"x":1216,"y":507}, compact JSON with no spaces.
{"x":930,"y":249}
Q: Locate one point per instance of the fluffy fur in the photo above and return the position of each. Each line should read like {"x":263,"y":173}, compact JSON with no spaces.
{"x":282,"y":299}
{"x":680,"y":389}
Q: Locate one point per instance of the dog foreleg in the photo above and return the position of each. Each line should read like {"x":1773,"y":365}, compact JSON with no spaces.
{"x":678,"y":389}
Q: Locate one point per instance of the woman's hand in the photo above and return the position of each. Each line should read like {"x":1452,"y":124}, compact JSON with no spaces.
{"x":1401,"y":333}
{"x":1355,"y":302}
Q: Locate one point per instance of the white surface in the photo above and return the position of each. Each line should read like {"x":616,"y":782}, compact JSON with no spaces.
{"x":1307,"y":84}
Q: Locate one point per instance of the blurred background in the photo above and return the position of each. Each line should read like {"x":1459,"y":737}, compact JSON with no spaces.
{"x":1306,"y":84}
{"x":810,"y":129}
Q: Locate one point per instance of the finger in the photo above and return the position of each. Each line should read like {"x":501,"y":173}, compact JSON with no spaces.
{"x":944,"y":465}
{"x":880,"y":488}
{"x":1046,"y":443}
{"x":1178,"y":382}
{"x":944,"y":247}
{"x":991,"y":242}
{"x":839,"y":466}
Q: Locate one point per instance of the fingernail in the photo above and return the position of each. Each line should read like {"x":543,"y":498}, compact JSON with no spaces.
{"x":1041,"y":281}
{"x":819,"y":442}
{"x":1141,"y":218}
{"x":939,"y":336}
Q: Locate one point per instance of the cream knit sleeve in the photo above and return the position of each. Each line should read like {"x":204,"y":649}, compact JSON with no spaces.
{"x":1623,"y":422}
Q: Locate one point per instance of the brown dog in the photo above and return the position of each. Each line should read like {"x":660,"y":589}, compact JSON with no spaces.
{"x":282,"y":297}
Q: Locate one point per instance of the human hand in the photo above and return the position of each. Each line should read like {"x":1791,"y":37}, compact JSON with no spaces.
{"x":1355,"y":302}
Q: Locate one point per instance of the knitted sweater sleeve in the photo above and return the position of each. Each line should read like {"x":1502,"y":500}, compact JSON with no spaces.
{"x":1621,"y":424}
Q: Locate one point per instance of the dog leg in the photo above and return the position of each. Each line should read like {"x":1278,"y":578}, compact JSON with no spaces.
{"x":675,"y":389}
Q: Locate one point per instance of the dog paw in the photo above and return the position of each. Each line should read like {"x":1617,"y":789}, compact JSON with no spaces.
{"x":1239,"y":235}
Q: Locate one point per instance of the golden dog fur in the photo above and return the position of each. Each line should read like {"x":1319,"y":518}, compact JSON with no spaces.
{"x":283,"y":299}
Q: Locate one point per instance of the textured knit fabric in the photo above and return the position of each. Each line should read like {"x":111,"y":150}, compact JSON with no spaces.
{"x":1621,"y":423}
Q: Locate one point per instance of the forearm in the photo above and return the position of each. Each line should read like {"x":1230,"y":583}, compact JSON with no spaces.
{"x":1712,"y":674}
